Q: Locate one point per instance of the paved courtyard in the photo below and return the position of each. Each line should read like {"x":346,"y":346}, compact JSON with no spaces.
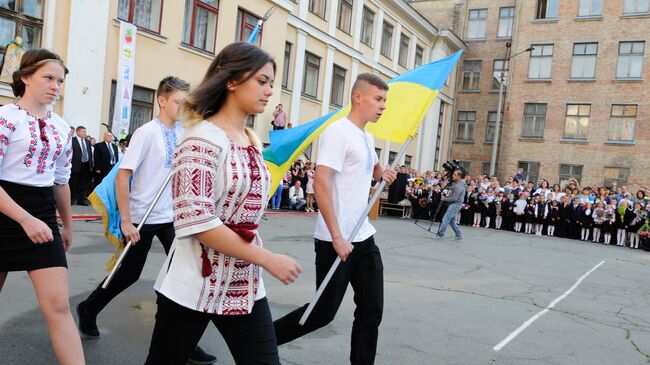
{"x":446,"y":302}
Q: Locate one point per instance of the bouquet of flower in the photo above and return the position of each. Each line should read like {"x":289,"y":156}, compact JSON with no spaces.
{"x":599,"y":215}
{"x":422,"y":202}
{"x":465,"y":206}
{"x":610,"y":216}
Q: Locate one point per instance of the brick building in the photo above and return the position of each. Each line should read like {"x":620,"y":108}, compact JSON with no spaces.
{"x":575,"y":105}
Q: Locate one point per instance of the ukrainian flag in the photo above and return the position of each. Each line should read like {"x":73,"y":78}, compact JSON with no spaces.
{"x":409,"y":98}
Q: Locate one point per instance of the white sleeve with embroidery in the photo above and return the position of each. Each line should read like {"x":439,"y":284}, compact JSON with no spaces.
{"x":63,"y":167}
{"x":197,"y":183}
{"x":6,"y":130}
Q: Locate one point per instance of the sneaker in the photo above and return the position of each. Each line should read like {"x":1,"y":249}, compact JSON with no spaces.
{"x":438,"y":237}
{"x":201,"y":357}
{"x":458,"y":238}
{"x":87,"y":322}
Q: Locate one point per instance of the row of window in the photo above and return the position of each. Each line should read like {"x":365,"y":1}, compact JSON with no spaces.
{"x":611,"y":175}
{"x":583,"y":64}
{"x":576,"y":123}
{"x":199,"y":25}
{"x":344,"y":23}
{"x":545,"y":9}
{"x":408,"y":160}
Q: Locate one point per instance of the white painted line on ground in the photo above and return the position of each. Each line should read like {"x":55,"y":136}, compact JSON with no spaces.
{"x":521,"y":328}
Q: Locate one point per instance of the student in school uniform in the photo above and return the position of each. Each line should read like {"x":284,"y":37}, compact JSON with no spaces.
{"x":586,"y":221}
{"x":530,"y":218}
{"x":508,"y":213}
{"x":622,"y":221}
{"x":552,"y":217}
{"x":576,"y":212}
{"x":598,"y":217}
{"x":635,"y":220}
{"x":540,"y":210}
{"x":564,"y":223}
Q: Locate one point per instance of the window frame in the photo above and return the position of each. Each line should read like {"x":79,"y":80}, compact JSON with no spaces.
{"x":134,"y":103}
{"x":419,"y":53}
{"x":491,"y":124}
{"x":621,"y":169}
{"x":312,"y":9}
{"x":21,"y":20}
{"x":590,"y":14}
{"x":131,"y":15}
{"x":630,"y":55}
{"x":526,"y":166}
{"x":535,"y":115}
{"x":199,"y":4}
{"x":481,"y":19}
{"x":403,"y":52}
{"x":242,"y":25}
{"x":509,"y":18}
{"x":286,"y":66}
{"x":542,"y":9}
{"x":636,"y":2}
{"x":534,"y":58}
{"x":583,"y":56}
{"x":386,"y":42}
{"x":622,"y":118}
{"x":339,"y":17}
{"x":572,"y":174}
{"x":578,"y":117}
{"x":364,"y":21}
{"x":505,"y":68}
{"x":341,"y":79}
{"x":467,"y":123}
{"x":472,"y":74}
{"x":304,"y":79}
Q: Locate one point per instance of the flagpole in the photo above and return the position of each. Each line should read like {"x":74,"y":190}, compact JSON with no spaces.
{"x":144,"y":219}
{"x":356,"y":229}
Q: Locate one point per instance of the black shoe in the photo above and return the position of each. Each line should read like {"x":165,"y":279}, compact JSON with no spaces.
{"x":87,"y":322}
{"x":201,"y":357}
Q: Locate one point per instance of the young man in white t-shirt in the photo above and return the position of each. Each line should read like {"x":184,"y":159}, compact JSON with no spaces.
{"x":144,"y":167}
{"x":347,"y":163}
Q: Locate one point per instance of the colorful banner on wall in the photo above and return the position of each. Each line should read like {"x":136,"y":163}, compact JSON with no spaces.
{"x":125,"y":74}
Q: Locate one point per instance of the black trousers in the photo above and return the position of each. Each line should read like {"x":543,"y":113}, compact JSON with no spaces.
{"x":250,"y":337}
{"x":79,"y":182}
{"x":132,"y":265}
{"x":365,"y":271}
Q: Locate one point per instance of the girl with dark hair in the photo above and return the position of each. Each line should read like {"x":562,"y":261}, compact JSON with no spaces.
{"x":35,"y":163}
{"x":221,"y":188}
{"x":557,"y":193}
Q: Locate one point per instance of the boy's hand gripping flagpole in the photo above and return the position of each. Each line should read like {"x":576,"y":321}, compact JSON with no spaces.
{"x":336,"y":263}
{"x":144,"y":219}
{"x":251,"y":39}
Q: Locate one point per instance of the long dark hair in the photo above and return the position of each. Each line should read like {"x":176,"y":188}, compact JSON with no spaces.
{"x":33,"y":60}
{"x":236,"y":63}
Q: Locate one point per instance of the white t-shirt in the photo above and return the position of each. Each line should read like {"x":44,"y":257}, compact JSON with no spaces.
{"x":149,"y":157}
{"x":350,"y":152}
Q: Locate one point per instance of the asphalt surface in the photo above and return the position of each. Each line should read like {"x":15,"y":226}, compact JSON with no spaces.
{"x":446,"y":302}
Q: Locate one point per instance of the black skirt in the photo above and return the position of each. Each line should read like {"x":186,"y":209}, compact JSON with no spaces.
{"x":17,"y":251}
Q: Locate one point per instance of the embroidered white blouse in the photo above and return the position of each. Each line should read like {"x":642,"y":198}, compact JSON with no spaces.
{"x":215,"y":182}
{"x":31,"y":155}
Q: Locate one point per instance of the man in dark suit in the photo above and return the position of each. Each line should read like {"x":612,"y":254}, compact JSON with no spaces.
{"x":105,"y":157}
{"x":82,"y":164}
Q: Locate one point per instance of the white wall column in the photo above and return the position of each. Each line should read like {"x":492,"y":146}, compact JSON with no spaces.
{"x":417,"y":163}
{"x":304,"y":7}
{"x":378,"y":31}
{"x":358,"y":19}
{"x":410,"y":63}
{"x":333,"y":18}
{"x":429,"y":137}
{"x":354,"y":72}
{"x":48,"y":24}
{"x":298,"y":74}
{"x":327,"y":87}
{"x":84,"y":89}
{"x":397,"y":34}
{"x":386,"y":153}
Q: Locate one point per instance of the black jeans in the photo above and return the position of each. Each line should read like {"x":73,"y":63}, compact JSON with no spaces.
{"x":250,"y":337}
{"x":132,"y":265}
{"x":365,"y":271}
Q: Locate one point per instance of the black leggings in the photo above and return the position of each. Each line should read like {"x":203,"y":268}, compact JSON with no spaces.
{"x":250,"y":338}
{"x":132,"y":265}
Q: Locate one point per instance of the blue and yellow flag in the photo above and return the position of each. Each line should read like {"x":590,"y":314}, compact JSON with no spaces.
{"x":104,"y":200}
{"x":409,"y":98}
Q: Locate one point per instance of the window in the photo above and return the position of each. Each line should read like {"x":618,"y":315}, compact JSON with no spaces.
{"x":576,"y":122}
{"x":465,"y":130}
{"x":246,"y":22}
{"x":200,"y":25}
{"x":590,"y":8}
{"x":476,"y":26}
{"x":402,"y":58}
{"x":338,"y":86}
{"x":391,"y":157}
{"x":583,"y":65}
{"x":145,"y":14}
{"x":534,"y":120}
{"x":367,"y":23}
{"x":287,"y":65}
{"x":546,"y":9}
{"x":621,"y":123}
{"x":630,"y":60}
{"x":497,"y":68}
{"x":386,"y":39}
{"x":491,"y":126}
{"x":407,"y":161}
{"x":616,"y":176}
{"x":141,"y":106}
{"x":344,"y":22}
{"x":310,"y":80}
{"x":485,"y":170}
{"x":419,"y":56}
{"x":568,"y":172}
{"x":636,"y":7}
{"x":541,"y":58}
{"x":20,"y":18}
{"x":318,"y":7}
{"x":465,"y":165}
{"x":471,"y":74}
{"x":506,"y":20}
{"x":378,"y":152}
{"x":531,"y":170}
